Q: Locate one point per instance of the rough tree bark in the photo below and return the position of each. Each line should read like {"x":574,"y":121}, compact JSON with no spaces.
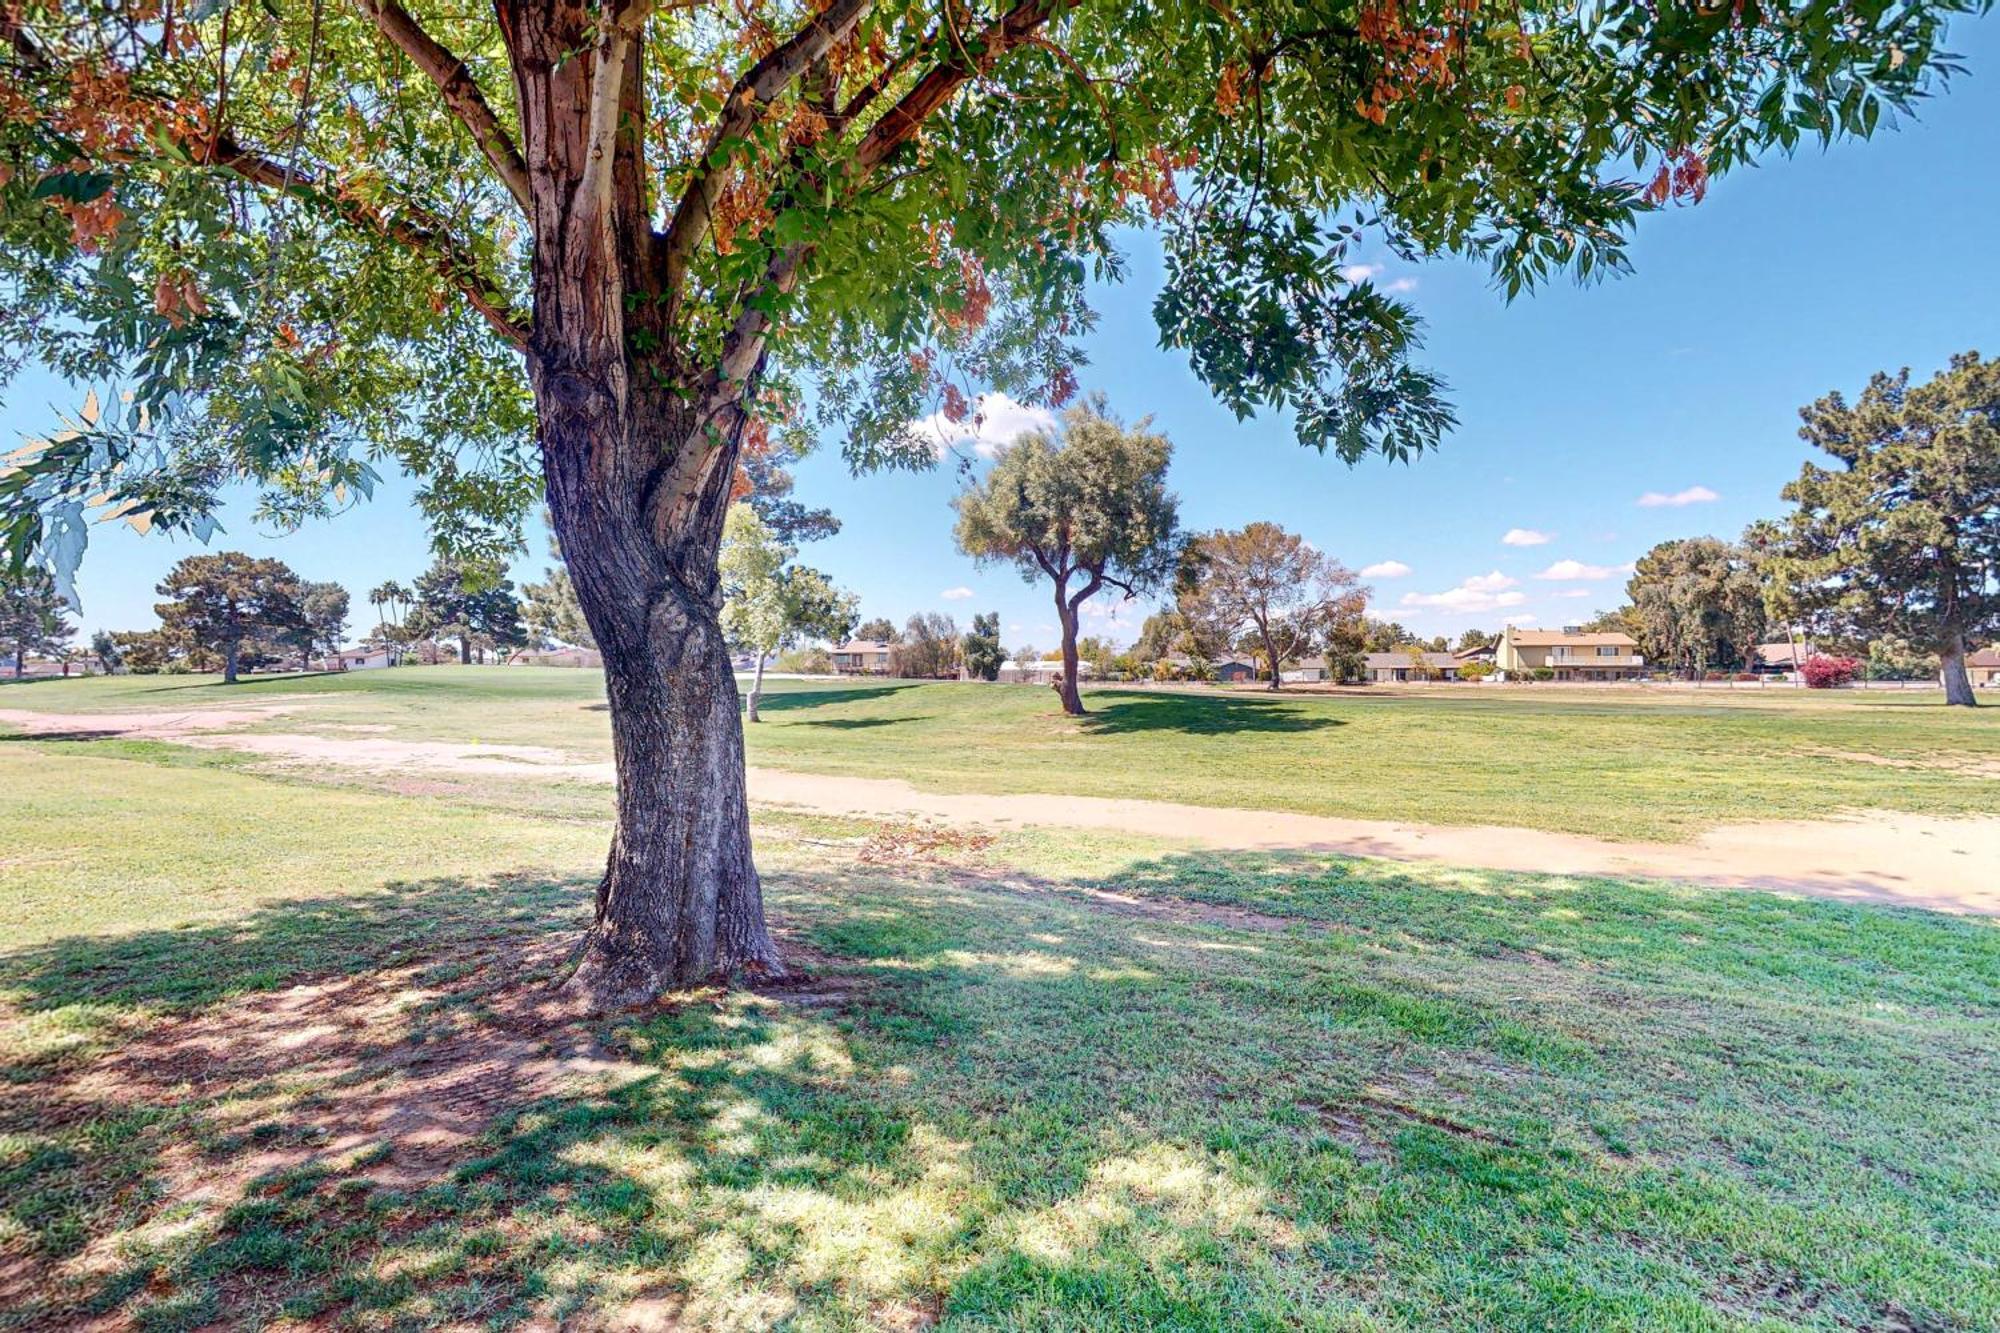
{"x":638,"y":452}
{"x":231,"y":650}
{"x":1951,"y":672}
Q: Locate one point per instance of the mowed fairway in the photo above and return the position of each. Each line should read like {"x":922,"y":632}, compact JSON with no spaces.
{"x":276,"y":1055}
{"x":1614,"y":763}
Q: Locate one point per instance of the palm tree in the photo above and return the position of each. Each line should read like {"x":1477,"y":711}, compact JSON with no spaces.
{"x":394,"y":596}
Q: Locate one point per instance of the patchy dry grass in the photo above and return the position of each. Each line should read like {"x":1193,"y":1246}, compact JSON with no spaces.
{"x":1030,"y":1082}
{"x":1614,"y":763}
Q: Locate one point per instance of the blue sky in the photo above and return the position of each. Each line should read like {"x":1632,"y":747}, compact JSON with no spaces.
{"x":1681,"y":381}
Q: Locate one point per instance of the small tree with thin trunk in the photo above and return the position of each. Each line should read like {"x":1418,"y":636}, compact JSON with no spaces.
{"x":1276,"y":587}
{"x":771,"y":603}
{"x":1088,"y":512}
{"x":221,"y":602}
{"x":1903,"y":537}
{"x":32,"y":616}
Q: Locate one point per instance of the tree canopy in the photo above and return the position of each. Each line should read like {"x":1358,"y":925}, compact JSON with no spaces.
{"x":1697,"y":602}
{"x":1088,"y":511}
{"x":221,"y":602}
{"x":1278,"y":591}
{"x":306,"y":245}
{"x":1902,"y":536}
{"x":33,"y":618}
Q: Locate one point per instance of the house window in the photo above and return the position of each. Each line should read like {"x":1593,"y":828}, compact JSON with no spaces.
{"x":1561,"y":653}
{"x":1607,"y":650}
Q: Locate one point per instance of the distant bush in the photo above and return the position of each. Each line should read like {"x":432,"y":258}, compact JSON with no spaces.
{"x":1826,"y":673}
{"x":1545,"y":673}
{"x":1475,"y":670}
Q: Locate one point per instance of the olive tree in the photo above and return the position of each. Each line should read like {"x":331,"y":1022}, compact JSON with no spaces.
{"x":1087,"y":511}
{"x":599,"y":253}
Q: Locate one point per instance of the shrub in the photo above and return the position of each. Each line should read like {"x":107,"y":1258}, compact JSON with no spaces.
{"x":1826,"y":673}
{"x":1475,"y":670}
{"x":1545,"y":673}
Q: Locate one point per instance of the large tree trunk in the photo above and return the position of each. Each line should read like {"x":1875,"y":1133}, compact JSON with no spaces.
{"x":230,"y":651}
{"x":1951,"y":671}
{"x":639,"y":440}
{"x":680,"y":903}
{"x":20,"y":659}
{"x":1072,"y":696}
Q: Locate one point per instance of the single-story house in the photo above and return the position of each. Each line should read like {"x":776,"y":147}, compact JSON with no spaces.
{"x":1774,"y":658}
{"x":1409,"y":665}
{"x":1306,"y":671}
{"x":1572,"y":654}
{"x":1984,"y":668}
{"x":557,"y":657}
{"x":1485,"y":652}
{"x":1226,"y":669}
{"x":862,"y":657}
{"x":365,"y":657}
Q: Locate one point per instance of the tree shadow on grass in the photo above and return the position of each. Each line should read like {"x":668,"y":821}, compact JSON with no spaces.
{"x":852,"y":723}
{"x":781,"y":701}
{"x":1198,"y":715}
{"x":1004,"y":1102}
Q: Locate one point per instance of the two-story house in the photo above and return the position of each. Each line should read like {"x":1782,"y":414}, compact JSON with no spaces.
{"x":1571,"y":653}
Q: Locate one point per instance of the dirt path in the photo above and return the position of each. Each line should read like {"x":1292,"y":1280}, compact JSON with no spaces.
{"x":1948,"y":865}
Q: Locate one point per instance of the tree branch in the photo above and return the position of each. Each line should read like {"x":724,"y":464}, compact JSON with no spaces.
{"x":901,"y":122}
{"x":461,"y":92}
{"x":607,"y":86}
{"x":414,"y":227}
{"x":748,"y":100}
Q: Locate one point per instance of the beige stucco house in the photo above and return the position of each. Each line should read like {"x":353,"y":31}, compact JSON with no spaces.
{"x":1571,"y":653}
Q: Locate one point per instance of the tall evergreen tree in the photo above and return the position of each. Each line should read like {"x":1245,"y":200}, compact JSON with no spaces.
{"x":33,"y":617}
{"x":1903,"y":536}
{"x":222,"y":602}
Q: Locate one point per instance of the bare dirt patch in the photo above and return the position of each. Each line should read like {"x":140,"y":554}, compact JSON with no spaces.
{"x":388,"y":1077}
{"x":165,"y":725}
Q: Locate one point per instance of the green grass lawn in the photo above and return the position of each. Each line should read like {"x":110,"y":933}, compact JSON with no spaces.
{"x":1043,"y":1083}
{"x":1614,"y":763}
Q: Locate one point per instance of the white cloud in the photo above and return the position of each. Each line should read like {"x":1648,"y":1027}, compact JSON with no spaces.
{"x":1526,"y":537}
{"x":1385,"y":569}
{"x":1370,"y":272}
{"x":996,"y":422}
{"x":1571,"y":592}
{"x":1482,"y":592}
{"x":1693,"y":495}
{"x":958,"y":594}
{"x":1571,"y":570}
